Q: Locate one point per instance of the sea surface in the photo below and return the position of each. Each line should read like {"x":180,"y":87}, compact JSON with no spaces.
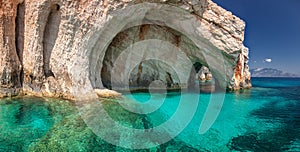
{"x":264,"y":118}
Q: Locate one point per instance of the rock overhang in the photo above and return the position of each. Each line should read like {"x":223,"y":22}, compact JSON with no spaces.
{"x":177,"y":18}
{"x":86,"y":31}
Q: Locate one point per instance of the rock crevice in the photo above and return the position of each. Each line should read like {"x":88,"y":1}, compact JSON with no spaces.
{"x":50,"y":36}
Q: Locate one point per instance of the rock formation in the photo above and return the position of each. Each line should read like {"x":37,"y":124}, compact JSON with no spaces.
{"x":63,"y":48}
{"x":105,"y":93}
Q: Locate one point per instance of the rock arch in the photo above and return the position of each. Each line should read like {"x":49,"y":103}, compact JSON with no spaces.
{"x":148,"y":71}
{"x":195,"y":37}
{"x":86,"y":30}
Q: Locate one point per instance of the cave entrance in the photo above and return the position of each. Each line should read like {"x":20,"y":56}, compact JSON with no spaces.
{"x":151,"y":72}
{"x":108,"y":44}
{"x":201,"y":77}
{"x":154,"y":72}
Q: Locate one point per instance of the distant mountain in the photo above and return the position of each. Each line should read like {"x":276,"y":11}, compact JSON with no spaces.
{"x":270,"y":72}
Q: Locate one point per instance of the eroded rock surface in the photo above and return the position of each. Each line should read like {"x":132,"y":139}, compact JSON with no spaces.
{"x":61,"y":48}
{"x":10,"y":66}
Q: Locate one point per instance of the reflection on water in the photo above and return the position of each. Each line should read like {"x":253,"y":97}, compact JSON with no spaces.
{"x":265,"y":118}
{"x":23,"y":121}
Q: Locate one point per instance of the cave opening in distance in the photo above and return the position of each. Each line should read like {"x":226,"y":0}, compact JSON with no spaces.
{"x":155,"y":75}
{"x":193,"y":78}
{"x":206,"y":81}
{"x":202,"y":77}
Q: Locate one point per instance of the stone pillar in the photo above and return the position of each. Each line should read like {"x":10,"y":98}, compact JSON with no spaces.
{"x":10,"y":66}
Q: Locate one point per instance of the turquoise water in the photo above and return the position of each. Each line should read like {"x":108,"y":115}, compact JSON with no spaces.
{"x":265,"y":118}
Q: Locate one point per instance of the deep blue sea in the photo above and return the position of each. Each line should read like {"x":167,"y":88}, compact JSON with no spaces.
{"x":264,"y":118}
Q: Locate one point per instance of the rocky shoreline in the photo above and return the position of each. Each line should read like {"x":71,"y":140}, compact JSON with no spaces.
{"x":66,"y":49}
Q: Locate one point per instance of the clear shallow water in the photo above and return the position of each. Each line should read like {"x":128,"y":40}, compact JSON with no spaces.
{"x":265,"y":118}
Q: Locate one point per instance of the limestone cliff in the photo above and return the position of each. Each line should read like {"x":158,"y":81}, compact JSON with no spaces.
{"x":62,"y":48}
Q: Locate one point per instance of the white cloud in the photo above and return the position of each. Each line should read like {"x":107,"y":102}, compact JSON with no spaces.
{"x":268,"y":60}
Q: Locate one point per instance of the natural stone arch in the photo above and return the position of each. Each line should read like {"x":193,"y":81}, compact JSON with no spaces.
{"x":152,"y":13}
{"x":82,"y":29}
{"x":154,"y":70}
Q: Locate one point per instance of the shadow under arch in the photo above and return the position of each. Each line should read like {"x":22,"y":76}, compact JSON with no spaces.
{"x":154,"y":70}
{"x":177,"y":19}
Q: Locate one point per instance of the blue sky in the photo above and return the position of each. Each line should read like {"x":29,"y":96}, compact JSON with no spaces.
{"x":272,"y":31}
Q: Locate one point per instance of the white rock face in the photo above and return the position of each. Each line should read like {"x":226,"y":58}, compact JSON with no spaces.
{"x":64,"y":46}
